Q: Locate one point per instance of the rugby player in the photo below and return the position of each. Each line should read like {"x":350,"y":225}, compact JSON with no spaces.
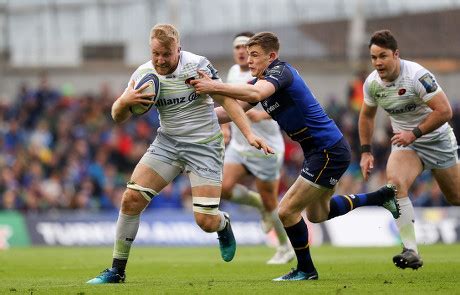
{"x":423,"y":140}
{"x":189,"y":140}
{"x":287,"y":99}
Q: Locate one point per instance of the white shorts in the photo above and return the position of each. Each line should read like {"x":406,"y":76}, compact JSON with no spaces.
{"x":264,"y":167}
{"x":203,"y":159}
{"x":438,"y":153}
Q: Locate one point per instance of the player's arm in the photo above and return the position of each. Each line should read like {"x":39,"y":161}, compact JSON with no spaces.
{"x":257,"y":116}
{"x":223,"y":116}
{"x":442,"y":113}
{"x":427,"y":88}
{"x":131,"y":96}
{"x":237,"y":115}
{"x":245,"y":92}
{"x":366,"y":130}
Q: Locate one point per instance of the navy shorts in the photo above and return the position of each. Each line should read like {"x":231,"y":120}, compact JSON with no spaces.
{"x":325,"y":167}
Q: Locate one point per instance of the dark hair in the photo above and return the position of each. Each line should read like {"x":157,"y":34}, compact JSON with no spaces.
{"x":245,"y":34}
{"x":267,"y":40}
{"x":385,"y":39}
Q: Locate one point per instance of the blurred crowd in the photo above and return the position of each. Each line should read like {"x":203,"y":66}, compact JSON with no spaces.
{"x":62,"y":151}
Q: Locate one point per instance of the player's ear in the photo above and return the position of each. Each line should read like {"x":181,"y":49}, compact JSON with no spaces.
{"x":396,"y":54}
{"x":272,"y":56}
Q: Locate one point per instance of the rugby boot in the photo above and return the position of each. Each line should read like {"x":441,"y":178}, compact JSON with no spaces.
{"x":390,"y":202}
{"x":408,"y":259}
{"x":108,"y":276}
{"x":297,"y":275}
{"x":284,"y":254}
{"x":227,"y":243}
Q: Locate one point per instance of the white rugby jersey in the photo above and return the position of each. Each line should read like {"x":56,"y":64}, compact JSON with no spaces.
{"x":184,"y":115}
{"x":266,"y":129}
{"x":405,"y":98}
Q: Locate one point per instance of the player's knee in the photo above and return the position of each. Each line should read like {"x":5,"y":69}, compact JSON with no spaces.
{"x":394,"y":180}
{"x":269,"y":203}
{"x":454,"y":199}
{"x":132,"y":202}
{"x":401,"y":187}
{"x":206,"y":223}
{"x":316,"y":218}
{"x":284,"y":214}
{"x":227,"y":190}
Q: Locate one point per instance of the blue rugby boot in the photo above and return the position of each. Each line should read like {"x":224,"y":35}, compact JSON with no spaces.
{"x":227,"y":243}
{"x":298,"y":275}
{"x":390,"y":202}
{"x":108,"y":276}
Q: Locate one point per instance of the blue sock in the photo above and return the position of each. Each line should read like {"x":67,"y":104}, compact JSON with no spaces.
{"x":342,"y":204}
{"x":298,"y":235}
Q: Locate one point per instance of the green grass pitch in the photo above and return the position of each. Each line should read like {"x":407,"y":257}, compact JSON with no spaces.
{"x":153,"y":270}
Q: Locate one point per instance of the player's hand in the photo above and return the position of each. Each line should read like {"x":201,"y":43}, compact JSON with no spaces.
{"x":367,"y":164}
{"x":403,"y":138}
{"x":203,"y":85}
{"x":133,"y":96}
{"x":260,"y":144}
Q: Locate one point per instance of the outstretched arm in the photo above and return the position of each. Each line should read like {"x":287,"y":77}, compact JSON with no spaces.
{"x":245,"y":92}
{"x":223,"y":116}
{"x":237,"y":115}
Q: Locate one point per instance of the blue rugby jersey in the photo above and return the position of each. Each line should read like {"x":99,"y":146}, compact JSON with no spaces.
{"x":296,"y":109}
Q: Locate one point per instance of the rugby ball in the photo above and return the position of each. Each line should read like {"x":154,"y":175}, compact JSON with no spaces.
{"x":145,"y":76}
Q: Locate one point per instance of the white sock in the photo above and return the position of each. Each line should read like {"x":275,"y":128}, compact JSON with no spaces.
{"x":242,"y":195}
{"x":279,"y":228}
{"x":405,"y":224}
{"x":223,"y":221}
{"x":127,"y":226}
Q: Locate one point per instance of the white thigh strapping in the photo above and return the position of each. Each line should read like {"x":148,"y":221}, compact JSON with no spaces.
{"x":196,"y":180}
{"x":167,"y":171}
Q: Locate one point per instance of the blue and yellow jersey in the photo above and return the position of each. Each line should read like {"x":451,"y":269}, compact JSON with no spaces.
{"x":296,"y":109}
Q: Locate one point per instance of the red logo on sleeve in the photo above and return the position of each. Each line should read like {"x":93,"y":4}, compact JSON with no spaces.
{"x":401,"y":91}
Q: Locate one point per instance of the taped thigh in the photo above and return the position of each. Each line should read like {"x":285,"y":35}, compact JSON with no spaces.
{"x":196,"y":180}
{"x":206,"y":205}
{"x":167,"y":171}
{"x":146,"y":192}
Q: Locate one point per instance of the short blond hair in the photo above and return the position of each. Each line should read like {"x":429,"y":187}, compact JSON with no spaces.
{"x":165,"y":33}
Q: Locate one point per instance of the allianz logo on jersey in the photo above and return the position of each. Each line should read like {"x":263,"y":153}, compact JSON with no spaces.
{"x":177,"y":100}
{"x":407,"y":108}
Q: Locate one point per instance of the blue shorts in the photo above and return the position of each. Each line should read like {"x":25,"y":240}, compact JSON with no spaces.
{"x":325,"y":167}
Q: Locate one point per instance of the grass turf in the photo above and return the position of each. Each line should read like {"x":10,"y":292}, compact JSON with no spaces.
{"x":59,"y":270}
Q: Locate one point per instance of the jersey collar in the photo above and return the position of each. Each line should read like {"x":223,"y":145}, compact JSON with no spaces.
{"x":271,"y":65}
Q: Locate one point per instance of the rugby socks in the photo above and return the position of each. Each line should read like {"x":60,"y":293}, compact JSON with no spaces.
{"x":279,"y":228}
{"x":242,"y":195}
{"x":342,"y":204}
{"x":298,"y":235}
{"x":223,"y":221}
{"x":405,"y":224}
{"x":126,"y":230}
